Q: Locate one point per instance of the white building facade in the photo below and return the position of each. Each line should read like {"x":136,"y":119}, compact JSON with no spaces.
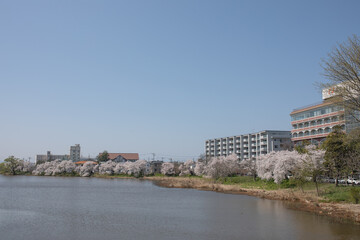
{"x":75,"y":153}
{"x":313,"y":123}
{"x":249,"y":145}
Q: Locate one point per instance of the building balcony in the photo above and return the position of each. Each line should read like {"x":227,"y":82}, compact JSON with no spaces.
{"x":324,"y":125}
{"x":302,"y":121}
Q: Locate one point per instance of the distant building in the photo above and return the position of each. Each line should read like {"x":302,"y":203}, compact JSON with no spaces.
{"x":156,"y":166}
{"x":75,"y":153}
{"x":148,"y":169}
{"x":123,"y":157}
{"x":50,"y":157}
{"x":249,"y":145}
{"x":314,"y":122}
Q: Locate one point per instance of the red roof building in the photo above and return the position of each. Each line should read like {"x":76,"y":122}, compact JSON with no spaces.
{"x":123,"y":157}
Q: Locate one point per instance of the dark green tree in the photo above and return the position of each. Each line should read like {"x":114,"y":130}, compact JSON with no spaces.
{"x":335,"y":153}
{"x":10,"y":165}
{"x":301,"y":148}
{"x":352,"y":144}
{"x":103,"y":157}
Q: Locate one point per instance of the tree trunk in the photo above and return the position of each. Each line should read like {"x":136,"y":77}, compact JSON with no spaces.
{"x":301,"y":188}
{"x":336,"y":181}
{"x":317,"y":188}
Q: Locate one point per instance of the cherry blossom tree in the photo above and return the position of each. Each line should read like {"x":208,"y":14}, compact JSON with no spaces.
{"x":249,"y":166}
{"x":25,"y":167}
{"x":87,"y":169}
{"x":222,"y":166}
{"x":313,"y":164}
{"x":139,"y":168}
{"x":199,"y":169}
{"x":107,"y":168}
{"x":286,"y":165}
{"x":64,"y":167}
{"x":57,"y":167}
{"x":119,"y":168}
{"x":265,"y":165}
{"x":278,"y":165}
{"x":168,"y":169}
{"x":187,"y":168}
{"x":47,"y":168}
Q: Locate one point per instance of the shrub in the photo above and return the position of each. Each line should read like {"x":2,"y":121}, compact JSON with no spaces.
{"x":355,"y":194}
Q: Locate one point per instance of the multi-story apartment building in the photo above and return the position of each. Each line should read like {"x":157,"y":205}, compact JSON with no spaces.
{"x":74,"y":155}
{"x":314,"y":122}
{"x":50,"y":157}
{"x":249,"y":145}
{"x":75,"y":152}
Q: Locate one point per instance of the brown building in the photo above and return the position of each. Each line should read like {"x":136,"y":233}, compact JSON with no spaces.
{"x":123,"y":157}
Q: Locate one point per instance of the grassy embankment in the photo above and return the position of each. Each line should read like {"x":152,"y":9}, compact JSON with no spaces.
{"x":327,"y":192}
{"x":336,"y":202}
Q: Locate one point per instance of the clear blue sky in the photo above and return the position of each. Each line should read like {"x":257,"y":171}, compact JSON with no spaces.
{"x":158,"y":76}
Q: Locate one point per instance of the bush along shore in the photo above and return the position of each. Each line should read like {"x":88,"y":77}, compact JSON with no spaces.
{"x":293,"y":176}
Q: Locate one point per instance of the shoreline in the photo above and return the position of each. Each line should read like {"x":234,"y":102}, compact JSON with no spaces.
{"x":340,"y":212}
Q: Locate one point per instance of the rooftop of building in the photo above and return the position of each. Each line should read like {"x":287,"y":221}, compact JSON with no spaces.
{"x":82,"y":162}
{"x":128,"y":156}
{"x":254,"y":133}
{"x":311,"y":106}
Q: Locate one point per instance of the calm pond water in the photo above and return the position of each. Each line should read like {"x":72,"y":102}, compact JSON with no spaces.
{"x":91,"y":208}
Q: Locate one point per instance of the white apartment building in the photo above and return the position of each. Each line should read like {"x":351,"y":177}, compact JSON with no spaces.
{"x":249,"y":145}
{"x":75,"y":153}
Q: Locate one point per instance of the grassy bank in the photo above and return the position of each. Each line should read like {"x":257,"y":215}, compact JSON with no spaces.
{"x":327,"y":192}
{"x":333,"y":201}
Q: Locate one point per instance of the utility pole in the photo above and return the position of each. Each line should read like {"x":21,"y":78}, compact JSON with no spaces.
{"x":153,"y":156}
